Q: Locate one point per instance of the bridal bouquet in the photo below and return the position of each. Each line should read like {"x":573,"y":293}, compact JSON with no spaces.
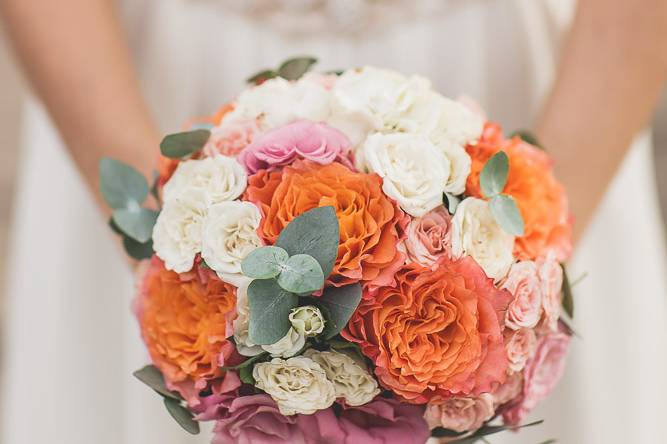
{"x":348,"y":257}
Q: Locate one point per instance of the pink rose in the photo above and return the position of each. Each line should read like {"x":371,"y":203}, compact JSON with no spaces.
{"x":509,"y":391}
{"x":429,"y":237}
{"x":214,"y":406}
{"x":460,"y":414}
{"x":520,"y":348}
{"x":383,"y":421}
{"x":524,"y":284}
{"x":318,"y":142}
{"x":551,"y":276}
{"x":231,"y":137}
{"x":541,"y":375}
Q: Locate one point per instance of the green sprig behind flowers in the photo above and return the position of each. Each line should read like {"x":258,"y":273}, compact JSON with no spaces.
{"x":492,"y":181}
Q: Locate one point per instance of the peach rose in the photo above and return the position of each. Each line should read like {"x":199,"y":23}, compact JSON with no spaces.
{"x":520,"y":348}
{"x":460,"y":414}
{"x":551,"y":276}
{"x":185,"y":320}
{"x":437,"y":333}
{"x":371,"y":225}
{"x":509,"y":391}
{"x":429,"y":237}
{"x":540,"y":197}
{"x":231,"y":137}
{"x":524,"y":284}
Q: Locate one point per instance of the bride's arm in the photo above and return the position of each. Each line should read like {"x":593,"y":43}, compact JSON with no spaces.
{"x":75,"y":55}
{"x":612,"y":70}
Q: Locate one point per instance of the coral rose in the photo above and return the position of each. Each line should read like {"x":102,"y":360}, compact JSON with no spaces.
{"x":371,"y":225}
{"x":540,"y":197}
{"x":185,"y":320}
{"x":437,"y":333}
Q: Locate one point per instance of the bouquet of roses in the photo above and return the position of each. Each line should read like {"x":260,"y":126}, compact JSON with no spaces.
{"x":348,"y":257}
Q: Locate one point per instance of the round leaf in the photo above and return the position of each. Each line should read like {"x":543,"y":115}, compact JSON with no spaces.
{"x":121,"y":185}
{"x":152,"y":377}
{"x":262,"y":76}
{"x":315,"y":233}
{"x":137,"y":250}
{"x":293,"y":69}
{"x":527,"y":137}
{"x":269,"y":307}
{"x":182,"y":416}
{"x":183,"y":144}
{"x":301,"y":274}
{"x":338,"y":303}
{"x":264,"y":262}
{"x":507,"y":214}
{"x":493,"y":177}
{"x":136,"y":222}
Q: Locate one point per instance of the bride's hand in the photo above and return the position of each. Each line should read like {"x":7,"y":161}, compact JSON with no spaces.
{"x":75,"y":55}
{"x":613,"y":68}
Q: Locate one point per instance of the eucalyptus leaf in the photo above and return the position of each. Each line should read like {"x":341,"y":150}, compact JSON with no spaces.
{"x":179,"y":145}
{"x":136,"y":222}
{"x":507,"y":214}
{"x":493,"y":177}
{"x":294,"y":68}
{"x":264,"y":262}
{"x":153,"y":378}
{"x":245,"y":375}
{"x":527,"y":136}
{"x":269,"y":309}
{"x":338,"y":304}
{"x":301,"y":274}
{"x":262,"y":76}
{"x":121,"y":185}
{"x":138,"y":250}
{"x":182,"y":416}
{"x":568,"y":299}
{"x":316,"y":233}
{"x":154,"y":188}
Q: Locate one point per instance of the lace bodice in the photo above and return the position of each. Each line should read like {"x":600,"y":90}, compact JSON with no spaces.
{"x":337,"y":16}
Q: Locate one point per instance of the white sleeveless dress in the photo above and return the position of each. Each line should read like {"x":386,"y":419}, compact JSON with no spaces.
{"x":70,"y":340}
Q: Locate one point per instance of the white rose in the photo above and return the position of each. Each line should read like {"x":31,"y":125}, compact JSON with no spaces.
{"x":229,"y":235}
{"x":178,"y":231}
{"x":222,"y":179}
{"x":297,"y":385}
{"x":450,"y":126}
{"x":413,"y":171}
{"x":243,"y":343}
{"x":476,"y":233}
{"x":377,"y":95}
{"x":307,"y":320}
{"x":350,"y":378}
{"x":288,"y":346}
{"x":277,"y":102}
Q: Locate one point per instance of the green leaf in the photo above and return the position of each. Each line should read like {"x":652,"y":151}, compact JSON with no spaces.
{"x":183,"y":144}
{"x":492,"y":430}
{"x":269,"y":308}
{"x":121,"y":185}
{"x":136,"y":222}
{"x":301,"y":274}
{"x":339,"y":304}
{"x":264,"y":262}
{"x":247,"y":363}
{"x":183,"y":416}
{"x":568,"y":299}
{"x":493,"y":178}
{"x":507,"y":214}
{"x":154,"y":188}
{"x":451,"y":202}
{"x":294,"y":68}
{"x":262,"y":76}
{"x":316,"y":233}
{"x":528,"y":137}
{"x":246,"y":375}
{"x":153,"y":378}
{"x":138,"y":250}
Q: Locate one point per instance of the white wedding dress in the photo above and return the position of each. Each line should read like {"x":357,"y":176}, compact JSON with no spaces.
{"x":71,"y":342}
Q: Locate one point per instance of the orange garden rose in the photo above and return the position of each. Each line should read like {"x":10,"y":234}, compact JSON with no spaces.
{"x":437,"y":333}
{"x":540,"y":197}
{"x":185,"y":320}
{"x":371,"y":225}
